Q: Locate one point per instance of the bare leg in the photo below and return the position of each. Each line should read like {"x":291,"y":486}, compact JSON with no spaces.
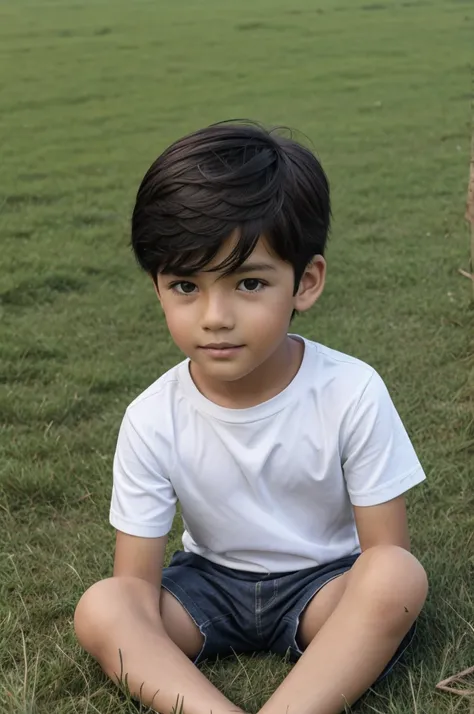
{"x":122,"y":615}
{"x":379,"y":601}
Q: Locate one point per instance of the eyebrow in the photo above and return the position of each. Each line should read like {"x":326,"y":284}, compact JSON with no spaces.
{"x":244,"y":268}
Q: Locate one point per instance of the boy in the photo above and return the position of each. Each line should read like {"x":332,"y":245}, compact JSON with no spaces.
{"x":288,"y":458}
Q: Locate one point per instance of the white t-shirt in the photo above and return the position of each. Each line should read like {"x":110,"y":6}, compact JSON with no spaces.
{"x":268,"y":488}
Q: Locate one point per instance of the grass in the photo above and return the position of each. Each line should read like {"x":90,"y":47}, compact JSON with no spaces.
{"x":91,"y":92}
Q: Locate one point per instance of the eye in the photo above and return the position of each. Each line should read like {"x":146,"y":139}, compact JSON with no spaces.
{"x":183,"y":288}
{"x":251,"y":285}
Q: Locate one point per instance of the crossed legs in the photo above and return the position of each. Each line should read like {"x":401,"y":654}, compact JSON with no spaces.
{"x":350,"y":629}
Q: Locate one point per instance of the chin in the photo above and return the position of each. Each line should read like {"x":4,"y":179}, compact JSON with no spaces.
{"x":225,"y":372}
{"x":226,"y":375}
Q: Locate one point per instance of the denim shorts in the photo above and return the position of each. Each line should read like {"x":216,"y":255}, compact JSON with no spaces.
{"x":239,"y":611}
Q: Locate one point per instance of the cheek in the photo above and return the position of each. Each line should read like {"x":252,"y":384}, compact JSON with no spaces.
{"x":271,"y":315}
{"x":178,"y":321}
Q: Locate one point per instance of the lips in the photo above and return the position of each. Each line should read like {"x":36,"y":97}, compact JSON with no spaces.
{"x":221,"y":350}
{"x":219,"y":346}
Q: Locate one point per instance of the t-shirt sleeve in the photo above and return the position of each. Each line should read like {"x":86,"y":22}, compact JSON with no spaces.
{"x":378,"y":459}
{"x":143,"y":499}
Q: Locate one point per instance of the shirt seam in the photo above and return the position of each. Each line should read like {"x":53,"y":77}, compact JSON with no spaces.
{"x":231,"y":421}
{"x":357,"y":404}
{"x":142,"y":398}
{"x":138,"y":525}
{"x":384,"y":487}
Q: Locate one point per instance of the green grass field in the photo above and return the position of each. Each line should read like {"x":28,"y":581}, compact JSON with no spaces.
{"x":90,"y":93}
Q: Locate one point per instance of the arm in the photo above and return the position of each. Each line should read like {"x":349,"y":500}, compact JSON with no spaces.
{"x":140,"y":557}
{"x":384,"y":524}
{"x":379,"y":465}
{"x":143,"y":502}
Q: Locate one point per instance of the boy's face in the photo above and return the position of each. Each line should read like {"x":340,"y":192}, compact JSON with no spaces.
{"x":230,"y":325}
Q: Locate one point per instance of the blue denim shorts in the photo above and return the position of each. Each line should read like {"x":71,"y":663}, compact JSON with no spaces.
{"x":239,"y":611}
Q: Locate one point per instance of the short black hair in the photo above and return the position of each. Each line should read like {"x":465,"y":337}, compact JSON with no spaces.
{"x":231,"y":176}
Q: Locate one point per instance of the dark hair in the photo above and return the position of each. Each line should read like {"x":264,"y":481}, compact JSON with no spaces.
{"x":228,"y":177}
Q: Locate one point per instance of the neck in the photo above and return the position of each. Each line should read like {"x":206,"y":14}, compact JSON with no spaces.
{"x":264,"y":382}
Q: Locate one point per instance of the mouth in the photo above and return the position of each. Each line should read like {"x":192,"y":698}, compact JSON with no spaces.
{"x":221,"y":349}
{"x":220,"y":346}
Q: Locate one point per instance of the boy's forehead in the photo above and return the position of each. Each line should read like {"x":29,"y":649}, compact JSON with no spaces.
{"x":261,"y":253}
{"x":261,"y":257}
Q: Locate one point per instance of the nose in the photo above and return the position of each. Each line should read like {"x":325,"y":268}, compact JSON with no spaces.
{"x":217,"y":312}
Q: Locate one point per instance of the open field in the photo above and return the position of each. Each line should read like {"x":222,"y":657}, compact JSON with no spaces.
{"x":90,"y":92}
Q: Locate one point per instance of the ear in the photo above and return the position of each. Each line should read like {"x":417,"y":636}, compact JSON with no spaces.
{"x":311,"y":284}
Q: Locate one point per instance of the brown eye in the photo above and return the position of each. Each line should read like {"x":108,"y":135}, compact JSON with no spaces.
{"x":184,"y":288}
{"x":251,"y":285}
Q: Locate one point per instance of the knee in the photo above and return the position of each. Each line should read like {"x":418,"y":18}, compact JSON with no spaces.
{"x":93,"y":614}
{"x":394,"y":582}
{"x":109,"y":603}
